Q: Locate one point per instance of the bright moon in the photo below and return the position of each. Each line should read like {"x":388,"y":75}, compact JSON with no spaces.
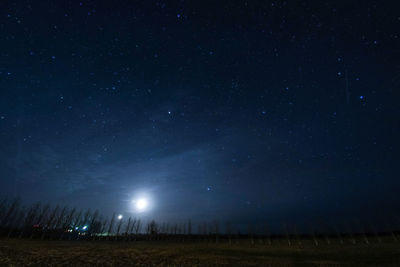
{"x":141,"y":204}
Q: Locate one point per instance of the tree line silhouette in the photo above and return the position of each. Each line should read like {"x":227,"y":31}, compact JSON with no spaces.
{"x":41,"y":221}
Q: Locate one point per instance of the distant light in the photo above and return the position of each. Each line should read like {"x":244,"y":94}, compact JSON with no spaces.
{"x":84,"y":227}
{"x":120,"y":217}
{"x":77,"y":228}
{"x":361,"y":97}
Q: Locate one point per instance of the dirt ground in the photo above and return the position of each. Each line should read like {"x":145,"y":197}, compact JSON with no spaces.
{"x":22,"y":252}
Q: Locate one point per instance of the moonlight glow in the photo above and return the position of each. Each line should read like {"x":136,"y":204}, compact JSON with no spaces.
{"x":141,"y":204}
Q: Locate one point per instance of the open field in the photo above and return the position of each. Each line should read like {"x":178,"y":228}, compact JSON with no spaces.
{"x":25,"y":252}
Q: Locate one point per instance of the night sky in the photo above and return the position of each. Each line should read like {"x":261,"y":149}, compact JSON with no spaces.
{"x":257,"y":111}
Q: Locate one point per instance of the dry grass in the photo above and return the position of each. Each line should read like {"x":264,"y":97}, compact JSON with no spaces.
{"x":15,"y":252}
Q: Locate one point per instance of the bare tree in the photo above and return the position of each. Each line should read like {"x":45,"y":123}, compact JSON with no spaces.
{"x":297,"y":236}
{"x":50,"y":219}
{"x":216,"y":230}
{"x":162,"y":228}
{"x":103,"y":226}
{"x":43,"y":215}
{"x":133,"y":223}
{"x":31,"y":214}
{"x":152,"y":228}
{"x":350,"y":233}
{"x":40,"y":219}
{"x":229,"y":232}
{"x":138,"y":226}
{"x":16,"y":220}
{"x":184,"y":228}
{"x":69,"y":219}
{"x":60,"y":218}
{"x":285,"y":229}
{"x":3,"y":208}
{"x":325,"y":231}
{"x":110,"y":228}
{"x":206,"y":229}
{"x":128,"y":226}
{"x":268,"y":235}
{"x":86,"y":219}
{"x":77,"y":220}
{"x":93,"y":222}
{"x":314,"y":236}
{"x":339,"y":235}
{"x":189,"y":227}
{"x":53,"y":218}
{"x":67,"y":223}
{"x":180,"y":228}
{"x":119,"y":226}
{"x":10,"y":212}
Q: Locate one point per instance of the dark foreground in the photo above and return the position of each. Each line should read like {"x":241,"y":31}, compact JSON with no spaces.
{"x":21,"y":252}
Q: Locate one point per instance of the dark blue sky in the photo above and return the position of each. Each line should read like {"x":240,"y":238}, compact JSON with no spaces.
{"x":262,"y":111}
